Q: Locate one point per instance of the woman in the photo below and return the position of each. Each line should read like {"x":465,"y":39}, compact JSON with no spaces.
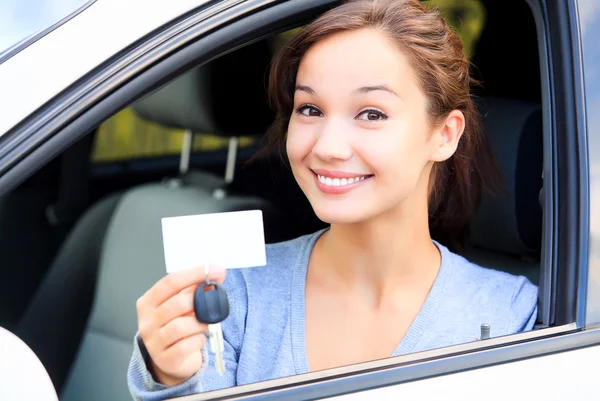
{"x":382,"y":136}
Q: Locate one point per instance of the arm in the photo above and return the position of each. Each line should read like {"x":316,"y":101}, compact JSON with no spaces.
{"x":144,"y":383}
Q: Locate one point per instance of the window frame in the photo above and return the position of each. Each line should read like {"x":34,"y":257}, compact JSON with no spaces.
{"x":590,"y":60}
{"x":571,"y":175}
{"x":222,"y":27}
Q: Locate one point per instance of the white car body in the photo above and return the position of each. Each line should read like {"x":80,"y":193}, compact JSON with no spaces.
{"x":86,"y":42}
{"x":107,"y":27}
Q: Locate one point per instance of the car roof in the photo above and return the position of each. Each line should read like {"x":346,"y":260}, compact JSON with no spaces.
{"x":25,"y":24}
{"x":43,"y":69}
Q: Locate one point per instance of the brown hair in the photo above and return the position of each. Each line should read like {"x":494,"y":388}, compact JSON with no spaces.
{"x":442,"y":68}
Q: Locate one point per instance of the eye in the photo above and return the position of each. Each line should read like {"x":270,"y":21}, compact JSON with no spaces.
{"x":372,"y":115}
{"x":309,"y":111}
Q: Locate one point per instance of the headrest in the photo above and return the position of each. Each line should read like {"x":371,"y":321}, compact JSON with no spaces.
{"x":512,"y":222}
{"x":226,"y":96}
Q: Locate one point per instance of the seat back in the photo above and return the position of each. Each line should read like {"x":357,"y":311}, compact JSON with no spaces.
{"x":34,"y":219}
{"x":506,"y":231}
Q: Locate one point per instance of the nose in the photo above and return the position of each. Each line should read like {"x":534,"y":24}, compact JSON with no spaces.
{"x":332,"y":143}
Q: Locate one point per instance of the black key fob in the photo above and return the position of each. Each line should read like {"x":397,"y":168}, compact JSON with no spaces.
{"x":210,"y":303}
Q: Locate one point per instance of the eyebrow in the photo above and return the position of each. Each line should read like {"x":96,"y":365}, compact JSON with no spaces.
{"x":366,"y":89}
{"x":360,"y":91}
{"x":306,"y":89}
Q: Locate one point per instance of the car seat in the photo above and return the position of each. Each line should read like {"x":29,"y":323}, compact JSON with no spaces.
{"x":506,"y":231}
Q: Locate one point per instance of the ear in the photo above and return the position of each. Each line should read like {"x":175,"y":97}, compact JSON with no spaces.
{"x":445,"y":138}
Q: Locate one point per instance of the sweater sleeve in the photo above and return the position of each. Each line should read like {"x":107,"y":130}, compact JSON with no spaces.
{"x":143,"y":387}
{"x":524,"y":306}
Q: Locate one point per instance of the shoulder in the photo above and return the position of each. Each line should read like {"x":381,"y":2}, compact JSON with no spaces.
{"x":292,"y":248}
{"x":481,"y":279}
{"x":507,"y":299}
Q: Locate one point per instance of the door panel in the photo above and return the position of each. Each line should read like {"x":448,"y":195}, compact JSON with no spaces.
{"x":564,"y":376}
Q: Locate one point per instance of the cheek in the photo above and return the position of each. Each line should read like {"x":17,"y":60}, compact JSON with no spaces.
{"x":299,"y":142}
{"x":400,"y":152}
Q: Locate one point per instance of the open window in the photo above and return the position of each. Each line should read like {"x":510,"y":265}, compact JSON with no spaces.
{"x":141,"y":134}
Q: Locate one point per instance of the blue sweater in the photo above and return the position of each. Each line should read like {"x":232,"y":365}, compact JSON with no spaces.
{"x":265,"y":331}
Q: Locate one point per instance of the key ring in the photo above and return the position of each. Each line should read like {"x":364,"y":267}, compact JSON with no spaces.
{"x":206,"y":273}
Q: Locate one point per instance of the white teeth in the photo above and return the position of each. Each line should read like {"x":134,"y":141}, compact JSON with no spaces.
{"x":337,"y":182}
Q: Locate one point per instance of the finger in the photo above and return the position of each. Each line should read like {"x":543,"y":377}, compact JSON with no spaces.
{"x":178,"y":305}
{"x":180,"y":329}
{"x":181,"y":350}
{"x":191,"y":288}
{"x":173,"y":283}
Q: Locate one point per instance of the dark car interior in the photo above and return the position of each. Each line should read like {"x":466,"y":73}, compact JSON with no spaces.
{"x":81,"y":241}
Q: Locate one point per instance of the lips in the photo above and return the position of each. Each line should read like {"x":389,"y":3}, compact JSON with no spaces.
{"x":338,"y":174}
{"x":339,"y":182}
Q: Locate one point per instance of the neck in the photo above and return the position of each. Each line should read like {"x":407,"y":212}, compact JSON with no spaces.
{"x":382,"y":255}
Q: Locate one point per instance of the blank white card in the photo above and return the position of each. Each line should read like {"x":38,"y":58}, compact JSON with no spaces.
{"x":232,"y":239}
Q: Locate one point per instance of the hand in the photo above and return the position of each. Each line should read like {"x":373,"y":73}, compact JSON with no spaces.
{"x":168,"y":326}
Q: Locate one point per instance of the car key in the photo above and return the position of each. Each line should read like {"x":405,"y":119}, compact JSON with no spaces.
{"x":211,"y":306}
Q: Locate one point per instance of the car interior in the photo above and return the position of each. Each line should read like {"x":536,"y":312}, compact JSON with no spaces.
{"x":81,"y":240}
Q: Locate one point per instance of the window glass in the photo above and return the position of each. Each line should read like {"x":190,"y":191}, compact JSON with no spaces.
{"x":21,"y":20}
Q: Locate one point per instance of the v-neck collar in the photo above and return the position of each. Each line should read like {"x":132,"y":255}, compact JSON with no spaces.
{"x":298,"y":305}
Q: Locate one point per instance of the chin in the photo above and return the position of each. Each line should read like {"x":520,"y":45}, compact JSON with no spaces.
{"x":331,"y":214}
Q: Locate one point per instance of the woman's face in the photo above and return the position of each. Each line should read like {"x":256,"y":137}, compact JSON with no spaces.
{"x":359,"y":139}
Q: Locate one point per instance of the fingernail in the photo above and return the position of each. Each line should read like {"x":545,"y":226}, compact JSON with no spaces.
{"x":214,"y":268}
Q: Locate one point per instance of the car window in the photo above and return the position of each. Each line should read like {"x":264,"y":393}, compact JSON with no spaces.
{"x":23,"y":21}
{"x":513,"y":113}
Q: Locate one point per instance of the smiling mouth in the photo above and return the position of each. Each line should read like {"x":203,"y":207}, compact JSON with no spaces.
{"x":340,"y":182}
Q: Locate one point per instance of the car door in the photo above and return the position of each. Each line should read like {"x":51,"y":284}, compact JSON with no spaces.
{"x":173,"y":39}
